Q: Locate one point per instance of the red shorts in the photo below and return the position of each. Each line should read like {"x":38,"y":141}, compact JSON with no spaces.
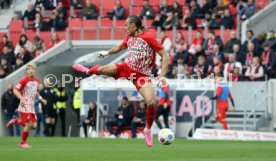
{"x":222,"y":112}
{"x":27,"y":117}
{"x":137,"y":78}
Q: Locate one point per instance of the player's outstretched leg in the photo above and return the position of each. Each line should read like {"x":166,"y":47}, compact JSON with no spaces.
{"x":109,"y":70}
{"x":147,"y":92}
{"x":24,"y":136}
{"x":15,"y":120}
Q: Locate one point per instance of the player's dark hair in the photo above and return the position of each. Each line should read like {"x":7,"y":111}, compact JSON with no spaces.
{"x":125,"y":98}
{"x":137,"y":21}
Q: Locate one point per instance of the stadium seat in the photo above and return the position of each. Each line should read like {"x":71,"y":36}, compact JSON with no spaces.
{"x":147,"y":23}
{"x":89,"y":28}
{"x":105,"y":34}
{"x":106,"y":23}
{"x":107,"y":7}
{"x":137,"y":3}
{"x":30,"y":34}
{"x":136,"y":10}
{"x":16,"y":26}
{"x":75,"y":26}
{"x":181,"y":2}
{"x":46,"y":36}
{"x":119,"y":34}
{"x":120,"y":23}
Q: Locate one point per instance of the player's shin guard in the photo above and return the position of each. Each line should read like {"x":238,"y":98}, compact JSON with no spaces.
{"x":151,"y":110}
{"x":94,"y":69}
{"x":24,"y":137}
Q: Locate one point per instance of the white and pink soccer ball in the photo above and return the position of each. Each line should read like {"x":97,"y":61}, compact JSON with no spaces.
{"x":166,"y":136}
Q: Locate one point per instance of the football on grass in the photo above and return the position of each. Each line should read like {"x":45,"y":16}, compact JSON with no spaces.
{"x":166,"y":136}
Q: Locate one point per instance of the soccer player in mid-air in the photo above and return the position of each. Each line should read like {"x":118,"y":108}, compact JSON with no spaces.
{"x":222,"y":95}
{"x":26,"y":92}
{"x":142,"y":47}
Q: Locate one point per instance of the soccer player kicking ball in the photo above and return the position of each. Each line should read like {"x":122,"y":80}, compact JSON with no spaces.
{"x":222,"y":95}
{"x":26,"y":92}
{"x":142,"y":47}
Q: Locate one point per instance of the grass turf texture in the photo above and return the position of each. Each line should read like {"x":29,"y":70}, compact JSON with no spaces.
{"x":76,"y":149}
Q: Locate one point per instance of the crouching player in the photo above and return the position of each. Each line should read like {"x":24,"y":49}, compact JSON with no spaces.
{"x":26,"y":92}
{"x":222,"y":96}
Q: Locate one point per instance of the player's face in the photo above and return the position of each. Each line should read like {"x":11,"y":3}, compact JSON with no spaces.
{"x":130,"y":28}
{"x":30,"y":72}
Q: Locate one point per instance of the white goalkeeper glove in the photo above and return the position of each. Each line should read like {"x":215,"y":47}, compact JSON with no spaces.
{"x":103,"y":54}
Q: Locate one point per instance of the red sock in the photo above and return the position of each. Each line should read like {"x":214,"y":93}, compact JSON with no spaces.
{"x":20,"y":122}
{"x":24,"y":137}
{"x":225,"y":125}
{"x":94,"y":69}
{"x":151,"y":110}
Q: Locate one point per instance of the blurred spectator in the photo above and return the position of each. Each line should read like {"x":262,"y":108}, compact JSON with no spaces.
{"x":227,"y":20}
{"x":147,"y":10}
{"x":24,"y":55}
{"x":164,"y":9}
{"x":247,"y":58}
{"x":54,"y":40}
{"x":62,"y":11}
{"x":194,"y":9}
{"x":216,"y":67}
{"x":91,"y":117}
{"x":271,"y":40}
{"x":77,"y":101}
{"x":228,"y":48}
{"x":30,"y":12}
{"x":201,"y":67}
{"x":165,"y":41}
{"x":139,"y":118}
{"x":188,"y":20}
{"x":61,"y":105}
{"x":8,"y":55}
{"x":238,"y":52}
{"x":180,"y":40}
{"x":236,"y":76}
{"x":9,"y":105}
{"x":268,"y":60}
{"x":211,"y":41}
{"x":248,"y":9}
{"x":170,"y":22}
{"x":7,"y":67}
{"x":198,"y":40}
{"x":219,"y":10}
{"x":5,"y":4}
{"x":23,"y":43}
{"x":49,"y":4}
{"x":76,"y":4}
{"x":181,"y":72}
{"x":177,"y":10}
{"x":195,"y":54}
{"x":216,"y":53}
{"x":39,"y":23}
{"x":124,"y":116}
{"x":157,"y":22}
{"x":164,"y":105}
{"x":232,"y":63}
{"x":180,"y":54}
{"x":89,"y":11}
{"x":39,"y":114}
{"x":6,"y":42}
{"x":56,"y":21}
{"x":118,"y":11}
{"x":39,"y":46}
{"x":18,"y":63}
{"x":203,"y":8}
{"x":49,"y":112}
{"x":38,"y":4}
{"x":2,"y":73}
{"x":255,"y":72}
{"x":250,"y":38}
{"x":209,"y":21}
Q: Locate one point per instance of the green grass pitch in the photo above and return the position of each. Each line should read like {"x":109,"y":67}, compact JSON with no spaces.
{"x":77,"y":149}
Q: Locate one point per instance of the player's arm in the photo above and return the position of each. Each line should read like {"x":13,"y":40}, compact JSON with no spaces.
{"x":18,"y":94}
{"x":115,"y":49}
{"x":165,"y":62}
{"x":232,"y":100}
{"x":219,"y":92}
